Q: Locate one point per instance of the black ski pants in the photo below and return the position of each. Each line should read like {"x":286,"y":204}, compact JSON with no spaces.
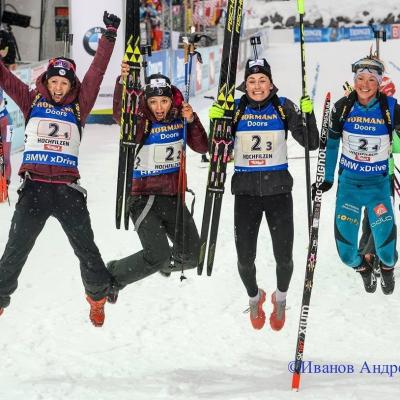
{"x":278,"y":211}
{"x":37,"y":202}
{"x":154,"y":218}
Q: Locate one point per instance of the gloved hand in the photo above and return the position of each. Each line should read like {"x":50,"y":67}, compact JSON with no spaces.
{"x":216,"y":111}
{"x":111,"y":21}
{"x":324,"y":186}
{"x":387,"y":86}
{"x":306,"y":105}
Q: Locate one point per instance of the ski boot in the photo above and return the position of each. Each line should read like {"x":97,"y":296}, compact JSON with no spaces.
{"x":387,"y":279}
{"x":277,"y":317}
{"x":257,"y":315}
{"x":366,"y":272}
{"x":96,"y":314}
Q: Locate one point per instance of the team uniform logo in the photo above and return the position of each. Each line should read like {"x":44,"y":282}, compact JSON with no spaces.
{"x":380,"y":210}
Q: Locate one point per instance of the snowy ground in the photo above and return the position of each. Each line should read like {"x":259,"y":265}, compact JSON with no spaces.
{"x":358,"y":11}
{"x":170,"y":340}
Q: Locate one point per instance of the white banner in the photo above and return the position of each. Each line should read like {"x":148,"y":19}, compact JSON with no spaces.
{"x":86,"y":23}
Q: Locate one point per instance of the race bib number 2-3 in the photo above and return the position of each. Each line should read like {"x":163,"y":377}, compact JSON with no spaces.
{"x":257,"y":144}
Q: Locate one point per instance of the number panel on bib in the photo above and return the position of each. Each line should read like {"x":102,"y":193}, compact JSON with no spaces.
{"x":167,"y":153}
{"x":258,"y":143}
{"x":368,"y":145}
{"x":54,"y":129}
{"x":260,"y":151}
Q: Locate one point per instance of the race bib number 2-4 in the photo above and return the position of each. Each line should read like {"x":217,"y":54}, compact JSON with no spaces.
{"x":367,"y":145}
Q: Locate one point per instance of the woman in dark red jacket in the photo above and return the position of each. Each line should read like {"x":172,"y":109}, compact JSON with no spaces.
{"x":55,"y":113}
{"x":153,"y":201}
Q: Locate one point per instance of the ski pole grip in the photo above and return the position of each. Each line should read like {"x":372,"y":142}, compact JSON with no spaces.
{"x":300,"y":6}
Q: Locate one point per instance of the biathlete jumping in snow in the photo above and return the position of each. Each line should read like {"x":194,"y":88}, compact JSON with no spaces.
{"x":153,"y":200}
{"x":262,"y":183}
{"x":55,"y":114}
{"x":365,"y":121}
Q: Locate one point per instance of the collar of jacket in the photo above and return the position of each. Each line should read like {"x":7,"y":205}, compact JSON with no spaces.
{"x":258,"y":105}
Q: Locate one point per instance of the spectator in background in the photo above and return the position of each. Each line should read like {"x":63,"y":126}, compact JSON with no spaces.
{"x":7,"y":55}
{"x":150,"y":16}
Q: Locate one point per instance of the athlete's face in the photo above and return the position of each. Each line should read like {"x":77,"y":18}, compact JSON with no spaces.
{"x":58,"y":87}
{"x":258,"y":87}
{"x":159,"y":106}
{"x":366,"y":86}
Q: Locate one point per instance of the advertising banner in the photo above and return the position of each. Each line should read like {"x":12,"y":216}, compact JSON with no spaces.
{"x":318,"y":34}
{"x":86,"y":23}
{"x":360,"y":33}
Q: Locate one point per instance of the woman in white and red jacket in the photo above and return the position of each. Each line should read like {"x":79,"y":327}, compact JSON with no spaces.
{"x":153,"y":201}
{"x":55,"y":114}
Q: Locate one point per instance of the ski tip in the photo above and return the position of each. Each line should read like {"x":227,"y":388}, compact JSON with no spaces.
{"x":296,"y":382}
{"x":328,"y":96}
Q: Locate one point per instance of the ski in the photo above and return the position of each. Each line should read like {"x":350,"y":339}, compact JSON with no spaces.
{"x":130,"y":100}
{"x":312,"y":247}
{"x":3,"y":179}
{"x":221,"y":136}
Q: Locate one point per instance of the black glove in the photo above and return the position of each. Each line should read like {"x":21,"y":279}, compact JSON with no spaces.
{"x":324,"y":187}
{"x":111,"y":21}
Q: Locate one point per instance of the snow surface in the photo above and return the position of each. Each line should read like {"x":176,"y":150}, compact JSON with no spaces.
{"x":327,"y":9}
{"x":191,"y":341}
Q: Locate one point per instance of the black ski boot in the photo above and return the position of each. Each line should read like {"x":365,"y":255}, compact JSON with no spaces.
{"x":112,"y":296}
{"x":367,"y":274}
{"x":387,"y":279}
{"x":113,"y":290}
{"x":376,"y":265}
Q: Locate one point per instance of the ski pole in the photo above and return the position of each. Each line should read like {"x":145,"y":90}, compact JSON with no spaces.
{"x":379,"y":33}
{"x":189,"y":53}
{"x":300,"y":8}
{"x":254,"y":41}
{"x":3,"y":179}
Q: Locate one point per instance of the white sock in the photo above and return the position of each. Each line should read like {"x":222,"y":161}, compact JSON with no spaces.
{"x":280,"y":296}
{"x":255,"y":298}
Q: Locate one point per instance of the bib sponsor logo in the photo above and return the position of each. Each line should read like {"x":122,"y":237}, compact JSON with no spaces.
{"x":360,"y":157}
{"x":52,"y":147}
{"x":257,"y":162}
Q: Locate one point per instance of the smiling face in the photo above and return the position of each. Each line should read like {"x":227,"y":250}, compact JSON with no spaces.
{"x":366,"y":86}
{"x":258,"y":87}
{"x":58,"y":88}
{"x":159,"y":106}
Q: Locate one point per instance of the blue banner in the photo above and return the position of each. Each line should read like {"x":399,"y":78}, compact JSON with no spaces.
{"x":360,"y":33}
{"x":318,"y":34}
{"x":178,"y":69}
{"x":345,"y":33}
{"x":158,"y":63}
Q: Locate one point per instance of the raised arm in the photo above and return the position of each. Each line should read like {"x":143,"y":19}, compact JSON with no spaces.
{"x":16,"y":89}
{"x":94,"y":76}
